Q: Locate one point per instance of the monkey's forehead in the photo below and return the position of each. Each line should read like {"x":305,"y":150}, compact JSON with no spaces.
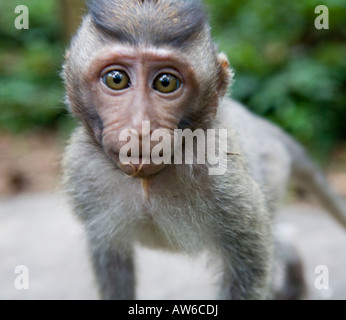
{"x":140,"y":53}
{"x":160,"y":22}
{"x":90,"y":42}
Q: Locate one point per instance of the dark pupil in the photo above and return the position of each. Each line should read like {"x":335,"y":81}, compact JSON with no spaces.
{"x":117,"y":78}
{"x":165,"y":81}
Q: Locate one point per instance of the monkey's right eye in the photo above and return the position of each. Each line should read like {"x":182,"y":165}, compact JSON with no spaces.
{"x":116,"y":80}
{"x":166,"y":83}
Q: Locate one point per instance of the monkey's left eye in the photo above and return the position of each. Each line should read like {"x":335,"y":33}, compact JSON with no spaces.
{"x":166,"y":83}
{"x":116,"y":80}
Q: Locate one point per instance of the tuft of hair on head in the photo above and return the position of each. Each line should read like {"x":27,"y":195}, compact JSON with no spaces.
{"x":156,"y":22}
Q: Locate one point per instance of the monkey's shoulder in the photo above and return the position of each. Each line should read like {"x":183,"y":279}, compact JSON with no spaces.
{"x":236,"y":115}
{"x":260,"y":143}
{"x":248,"y":129}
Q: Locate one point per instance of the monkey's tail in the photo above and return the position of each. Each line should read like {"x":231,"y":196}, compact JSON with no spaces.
{"x":309,"y":176}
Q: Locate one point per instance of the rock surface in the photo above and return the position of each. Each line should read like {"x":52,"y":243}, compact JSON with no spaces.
{"x":39,"y":232}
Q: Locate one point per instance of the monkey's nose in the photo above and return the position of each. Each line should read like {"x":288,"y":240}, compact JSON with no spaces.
{"x":140,"y":167}
{"x":141,"y":170}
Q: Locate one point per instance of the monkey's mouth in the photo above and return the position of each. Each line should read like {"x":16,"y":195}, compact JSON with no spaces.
{"x":141,"y":169}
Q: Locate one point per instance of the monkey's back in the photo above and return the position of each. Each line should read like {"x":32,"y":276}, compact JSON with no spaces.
{"x":261,"y":144}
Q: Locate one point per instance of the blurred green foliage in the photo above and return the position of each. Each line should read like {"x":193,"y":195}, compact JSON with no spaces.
{"x":31,"y":91}
{"x":286,"y":70}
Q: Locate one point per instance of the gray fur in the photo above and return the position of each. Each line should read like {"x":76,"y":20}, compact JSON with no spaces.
{"x":115,"y":18}
{"x":187,"y":209}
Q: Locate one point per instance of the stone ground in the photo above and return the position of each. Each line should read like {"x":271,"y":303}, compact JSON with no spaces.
{"x":38,"y":231}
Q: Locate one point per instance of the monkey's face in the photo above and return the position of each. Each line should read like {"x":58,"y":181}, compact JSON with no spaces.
{"x":135,"y":92}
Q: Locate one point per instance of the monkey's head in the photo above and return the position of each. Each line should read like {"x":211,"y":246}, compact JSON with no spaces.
{"x":143,"y":60}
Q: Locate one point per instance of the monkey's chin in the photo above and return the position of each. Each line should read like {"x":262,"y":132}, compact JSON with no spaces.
{"x":139,"y":170}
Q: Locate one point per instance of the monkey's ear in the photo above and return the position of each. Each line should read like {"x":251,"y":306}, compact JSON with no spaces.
{"x":225,"y":75}
{"x":67,"y":54}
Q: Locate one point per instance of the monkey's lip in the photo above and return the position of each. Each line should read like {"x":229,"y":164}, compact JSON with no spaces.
{"x":140,"y":169}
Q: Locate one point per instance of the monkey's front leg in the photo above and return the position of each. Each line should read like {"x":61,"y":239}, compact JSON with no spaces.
{"x":247,"y":265}
{"x":114,"y":273}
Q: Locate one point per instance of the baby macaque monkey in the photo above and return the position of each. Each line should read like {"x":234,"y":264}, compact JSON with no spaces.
{"x":147,"y":84}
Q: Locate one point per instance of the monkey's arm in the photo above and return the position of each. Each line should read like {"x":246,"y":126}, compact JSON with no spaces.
{"x":89,"y":181}
{"x":114,"y":272}
{"x":247,"y":257}
{"x":244,"y":239}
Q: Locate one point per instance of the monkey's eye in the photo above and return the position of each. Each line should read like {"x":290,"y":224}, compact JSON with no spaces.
{"x":166,"y":83}
{"x":116,"y":80}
